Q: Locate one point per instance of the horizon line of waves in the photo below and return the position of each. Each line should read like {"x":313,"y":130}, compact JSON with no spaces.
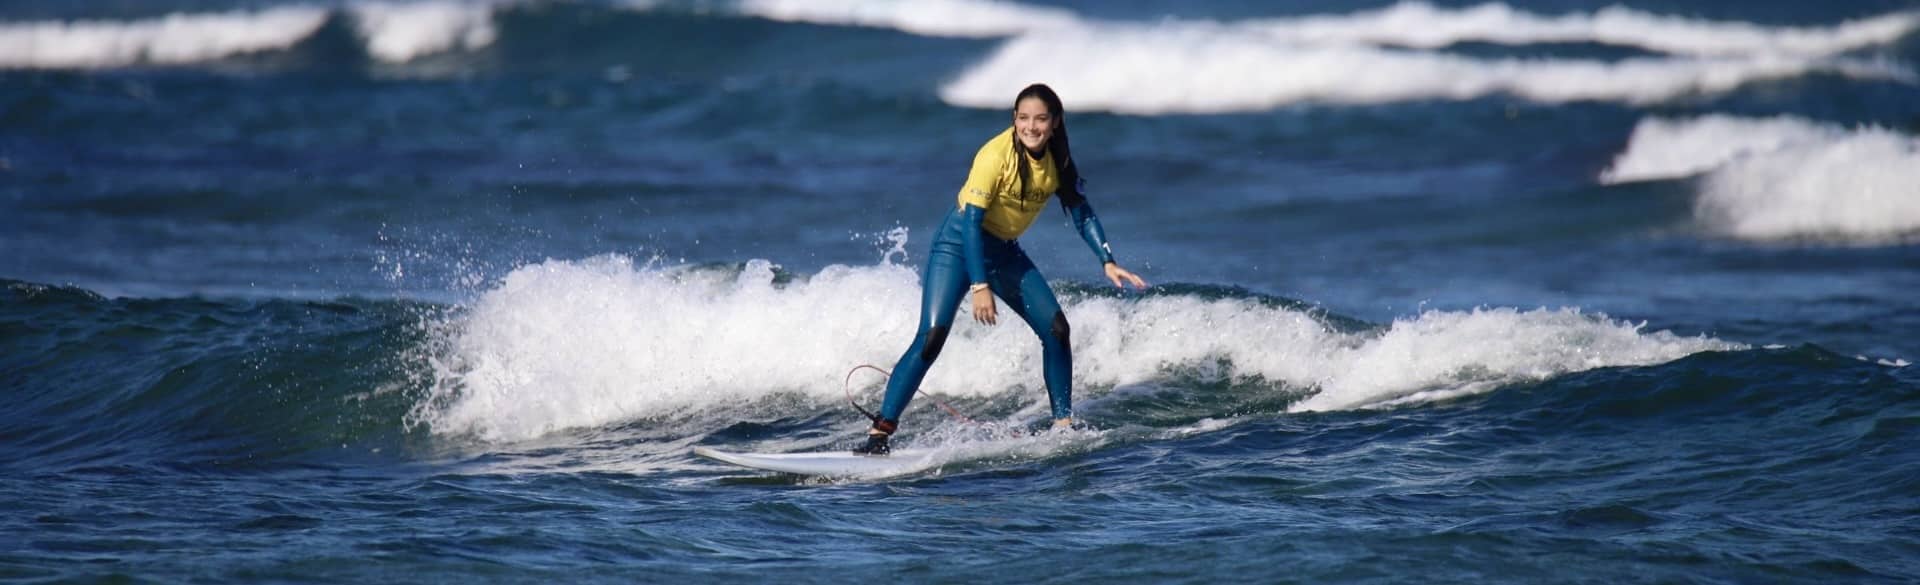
{"x":1414,"y":24}
{"x":1159,"y":69}
{"x":581,"y":344}
{"x":1423,"y":25}
{"x":393,"y":32}
{"x":1783,"y":178}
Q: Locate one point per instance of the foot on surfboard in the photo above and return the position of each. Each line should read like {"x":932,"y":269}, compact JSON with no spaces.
{"x":876,"y":445}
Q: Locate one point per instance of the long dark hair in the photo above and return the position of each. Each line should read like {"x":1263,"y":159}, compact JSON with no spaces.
{"x":1057,"y":146}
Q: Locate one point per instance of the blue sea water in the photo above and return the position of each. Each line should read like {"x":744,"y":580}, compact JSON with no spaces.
{"x":1522,"y":292}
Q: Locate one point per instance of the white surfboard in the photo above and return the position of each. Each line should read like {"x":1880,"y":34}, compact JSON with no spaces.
{"x":829,"y":463}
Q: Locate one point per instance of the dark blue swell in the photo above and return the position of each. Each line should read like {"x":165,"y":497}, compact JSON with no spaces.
{"x":195,"y":383}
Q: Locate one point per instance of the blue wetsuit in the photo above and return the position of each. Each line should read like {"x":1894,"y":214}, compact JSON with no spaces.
{"x":963,"y":253}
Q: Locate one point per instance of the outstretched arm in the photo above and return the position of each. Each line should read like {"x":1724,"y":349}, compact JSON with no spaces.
{"x":1090,"y":230}
{"x":1088,"y":224}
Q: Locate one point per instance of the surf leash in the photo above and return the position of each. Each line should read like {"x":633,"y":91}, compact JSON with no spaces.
{"x":846,"y":387}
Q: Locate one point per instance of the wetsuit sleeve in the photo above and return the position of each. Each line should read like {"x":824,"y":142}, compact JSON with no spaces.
{"x":971,"y":244}
{"x":1088,"y":224}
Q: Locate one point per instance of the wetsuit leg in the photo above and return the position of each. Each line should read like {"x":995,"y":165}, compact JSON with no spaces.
{"x":941,"y":289}
{"x":1029,"y":295}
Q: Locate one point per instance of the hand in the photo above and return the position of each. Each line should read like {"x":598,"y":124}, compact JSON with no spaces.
{"x":984,"y":309}
{"x":1121,"y":277}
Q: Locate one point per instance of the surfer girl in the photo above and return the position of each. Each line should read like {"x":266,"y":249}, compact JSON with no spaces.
{"x":976,"y":255}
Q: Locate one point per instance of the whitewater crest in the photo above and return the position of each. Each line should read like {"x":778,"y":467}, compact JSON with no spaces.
{"x":401,"y":32}
{"x":1255,"y":64}
{"x":940,"y":18}
{"x":1393,"y":54}
{"x":1784,"y":178}
{"x":173,"y":39}
{"x":393,"y":32}
{"x":1156,"y":70}
{"x":581,"y":344}
{"x":1423,"y":25}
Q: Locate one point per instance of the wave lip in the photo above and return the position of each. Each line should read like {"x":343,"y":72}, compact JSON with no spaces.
{"x":172,"y":39}
{"x":1422,"y":25}
{"x":1784,"y":178}
{"x":1666,"y":149}
{"x":1202,"y":68}
{"x":944,"y":18}
{"x":393,"y":32}
{"x":1446,"y":353}
{"x":581,"y":344}
{"x":564,"y":344}
{"x":401,"y":32}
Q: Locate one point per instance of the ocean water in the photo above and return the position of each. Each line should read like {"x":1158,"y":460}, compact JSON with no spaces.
{"x":1534,"y":291}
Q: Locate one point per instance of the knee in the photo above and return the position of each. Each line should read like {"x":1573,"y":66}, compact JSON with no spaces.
{"x":936,"y":337}
{"x":1062,"y":332}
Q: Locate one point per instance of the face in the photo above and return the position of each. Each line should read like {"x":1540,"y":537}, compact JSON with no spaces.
{"x":1033,"y":124}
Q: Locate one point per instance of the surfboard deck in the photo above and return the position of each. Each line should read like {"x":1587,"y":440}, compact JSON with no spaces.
{"x":827,"y":463}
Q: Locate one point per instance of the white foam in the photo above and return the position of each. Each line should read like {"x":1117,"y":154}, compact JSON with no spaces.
{"x":572,"y":344}
{"x":577,"y":344}
{"x":1422,"y":25}
{"x":402,"y":31}
{"x":1407,"y":24}
{"x":1476,"y":350}
{"x":172,"y":39}
{"x":393,"y":32}
{"x":1863,"y":187}
{"x":1192,"y":68}
{"x":945,"y":18}
{"x":1665,"y":149}
{"x":1784,"y":177}
{"x":954,"y":447}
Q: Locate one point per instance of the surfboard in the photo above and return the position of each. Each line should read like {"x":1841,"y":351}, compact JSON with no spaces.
{"x":829,"y":463}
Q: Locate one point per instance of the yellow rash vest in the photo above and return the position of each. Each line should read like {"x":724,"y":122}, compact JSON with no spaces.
{"x":994,"y":185}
